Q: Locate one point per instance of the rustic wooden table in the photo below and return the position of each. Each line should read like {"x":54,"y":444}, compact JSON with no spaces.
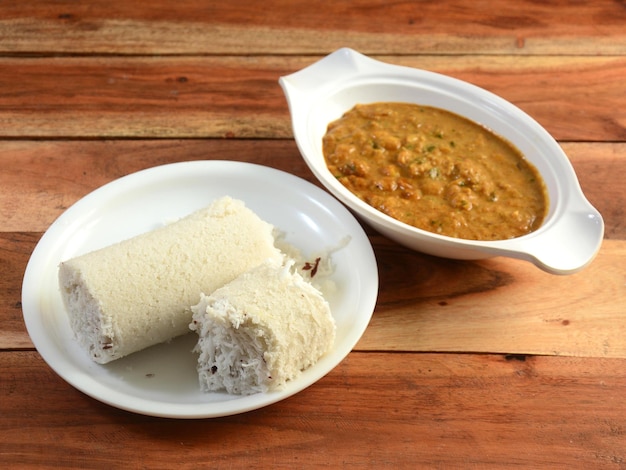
{"x":489,"y":364}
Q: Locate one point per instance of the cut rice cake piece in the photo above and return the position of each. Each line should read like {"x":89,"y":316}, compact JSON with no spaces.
{"x":138,"y":293}
{"x":260,"y":330}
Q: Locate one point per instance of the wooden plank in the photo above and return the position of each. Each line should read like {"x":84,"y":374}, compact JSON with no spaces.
{"x":596,"y":166}
{"x":302,"y":27}
{"x":40,"y":179}
{"x":436,"y":410}
{"x":575,"y":98}
{"x":432,"y":304}
{"x":499,"y":305}
{"x":15,"y":250}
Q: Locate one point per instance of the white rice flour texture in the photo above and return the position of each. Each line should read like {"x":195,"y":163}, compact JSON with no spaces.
{"x":260,"y":330}
{"x":139,"y":292}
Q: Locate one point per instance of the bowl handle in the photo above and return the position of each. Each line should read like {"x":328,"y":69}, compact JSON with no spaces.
{"x":570,"y":244}
{"x":304,"y":83}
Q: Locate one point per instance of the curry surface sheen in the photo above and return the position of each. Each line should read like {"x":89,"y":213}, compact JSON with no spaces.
{"x":435,"y":170}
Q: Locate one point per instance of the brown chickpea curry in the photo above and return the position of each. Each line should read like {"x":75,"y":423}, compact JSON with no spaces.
{"x":435,"y":170}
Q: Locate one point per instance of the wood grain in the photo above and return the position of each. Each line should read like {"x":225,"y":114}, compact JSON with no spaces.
{"x":375,"y":410}
{"x":15,"y":250}
{"x":430,"y":304}
{"x":92,"y":91}
{"x":575,"y":98}
{"x":40,"y":179}
{"x":302,"y":27}
{"x":498,"y":305}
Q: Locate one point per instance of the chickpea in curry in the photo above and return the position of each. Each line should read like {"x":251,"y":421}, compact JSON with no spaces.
{"x":435,"y":170}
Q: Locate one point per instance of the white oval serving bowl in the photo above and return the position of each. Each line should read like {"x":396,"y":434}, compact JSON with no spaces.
{"x":573,"y":229}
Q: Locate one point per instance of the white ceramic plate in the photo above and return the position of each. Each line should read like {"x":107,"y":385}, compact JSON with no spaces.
{"x":162,"y":380}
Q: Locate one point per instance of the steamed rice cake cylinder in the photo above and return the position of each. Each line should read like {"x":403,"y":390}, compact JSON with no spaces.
{"x":139,"y":292}
{"x":260,"y":330}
